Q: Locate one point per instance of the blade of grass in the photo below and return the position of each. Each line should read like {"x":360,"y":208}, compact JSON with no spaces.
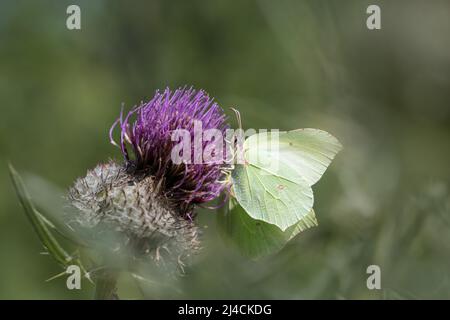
{"x":50,"y":201}
{"x":39,"y":226}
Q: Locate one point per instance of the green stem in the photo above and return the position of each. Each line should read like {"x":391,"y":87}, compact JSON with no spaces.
{"x":106,"y":285}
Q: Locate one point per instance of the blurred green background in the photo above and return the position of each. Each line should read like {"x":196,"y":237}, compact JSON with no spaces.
{"x":284,"y":64}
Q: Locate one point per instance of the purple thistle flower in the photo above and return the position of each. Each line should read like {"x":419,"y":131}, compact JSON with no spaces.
{"x":149,"y":139}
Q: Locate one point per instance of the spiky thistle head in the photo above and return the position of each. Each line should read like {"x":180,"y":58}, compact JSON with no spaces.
{"x":147,"y":144}
{"x":125,"y":214}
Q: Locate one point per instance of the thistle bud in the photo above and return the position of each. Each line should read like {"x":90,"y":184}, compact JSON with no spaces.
{"x":110,"y":200}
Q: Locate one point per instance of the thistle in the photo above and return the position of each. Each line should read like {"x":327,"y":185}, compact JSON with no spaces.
{"x":150,"y":140}
{"x":148,"y":200}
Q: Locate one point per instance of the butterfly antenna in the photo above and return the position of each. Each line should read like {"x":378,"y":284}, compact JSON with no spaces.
{"x":238,"y":117}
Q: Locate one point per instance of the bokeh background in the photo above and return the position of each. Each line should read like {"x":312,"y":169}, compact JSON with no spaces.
{"x":284,"y":64}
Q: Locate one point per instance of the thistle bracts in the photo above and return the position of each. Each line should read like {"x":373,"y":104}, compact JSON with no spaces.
{"x":128,"y":211}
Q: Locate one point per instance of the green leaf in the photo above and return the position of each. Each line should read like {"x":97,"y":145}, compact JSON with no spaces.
{"x":39,"y":225}
{"x":50,"y":199}
{"x":274,"y":185}
{"x":256,"y":238}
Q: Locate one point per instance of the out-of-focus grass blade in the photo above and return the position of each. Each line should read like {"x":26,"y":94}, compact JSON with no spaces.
{"x":39,"y":225}
{"x":45,"y":220}
{"x":50,"y":199}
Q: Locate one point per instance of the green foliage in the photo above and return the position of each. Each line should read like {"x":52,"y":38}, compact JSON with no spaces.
{"x":292,"y":64}
{"x":256,"y":238}
{"x":42,"y":226}
{"x":39,"y":223}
